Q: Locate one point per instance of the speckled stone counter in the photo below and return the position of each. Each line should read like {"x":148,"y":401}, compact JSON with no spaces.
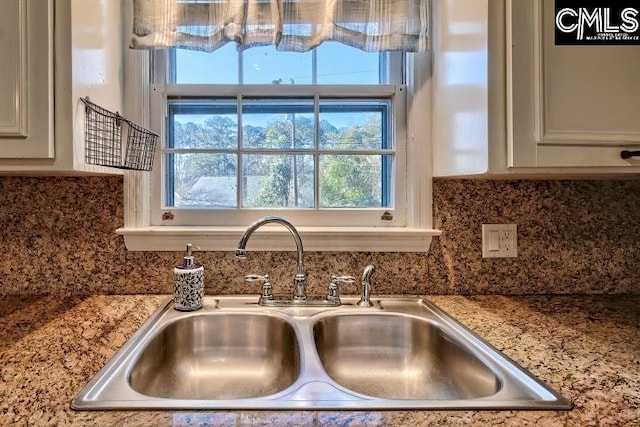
{"x":586,"y":347}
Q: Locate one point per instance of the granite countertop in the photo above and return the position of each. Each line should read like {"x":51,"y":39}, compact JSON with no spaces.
{"x":585,"y":347}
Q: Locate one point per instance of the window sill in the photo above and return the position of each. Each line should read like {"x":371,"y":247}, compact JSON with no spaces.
{"x":274,"y":238}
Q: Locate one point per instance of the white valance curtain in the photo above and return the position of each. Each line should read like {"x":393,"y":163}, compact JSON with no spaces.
{"x":290,"y":25}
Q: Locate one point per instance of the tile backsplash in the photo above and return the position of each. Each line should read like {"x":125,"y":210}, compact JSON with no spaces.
{"x":574,"y":237}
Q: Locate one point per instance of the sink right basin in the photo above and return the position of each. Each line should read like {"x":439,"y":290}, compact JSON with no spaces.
{"x":400,"y":357}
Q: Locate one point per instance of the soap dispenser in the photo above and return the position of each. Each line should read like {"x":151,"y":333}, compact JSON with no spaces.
{"x":188,"y":289}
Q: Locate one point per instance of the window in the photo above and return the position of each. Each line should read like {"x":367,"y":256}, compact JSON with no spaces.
{"x":318,"y":136}
{"x":232,"y":122}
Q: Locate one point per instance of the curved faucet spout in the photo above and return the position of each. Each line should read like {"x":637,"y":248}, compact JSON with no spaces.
{"x":300,"y":283}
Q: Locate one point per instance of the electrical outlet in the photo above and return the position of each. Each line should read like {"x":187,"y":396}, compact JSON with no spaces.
{"x":499,"y":241}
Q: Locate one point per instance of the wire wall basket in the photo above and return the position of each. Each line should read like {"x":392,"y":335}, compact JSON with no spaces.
{"x":111,"y":140}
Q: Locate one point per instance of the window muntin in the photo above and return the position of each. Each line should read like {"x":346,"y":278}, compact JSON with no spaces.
{"x":332,"y":142}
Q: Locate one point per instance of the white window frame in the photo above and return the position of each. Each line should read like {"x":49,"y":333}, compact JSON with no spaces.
{"x":161,"y":92}
{"x":411,"y":232}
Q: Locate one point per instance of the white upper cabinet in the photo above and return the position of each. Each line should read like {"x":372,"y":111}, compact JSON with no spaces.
{"x":539,"y":108}
{"x":26,"y":86}
{"x":570,"y":106}
{"x":56,"y":52}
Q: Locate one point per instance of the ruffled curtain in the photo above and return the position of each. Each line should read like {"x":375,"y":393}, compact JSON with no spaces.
{"x":290,"y":25}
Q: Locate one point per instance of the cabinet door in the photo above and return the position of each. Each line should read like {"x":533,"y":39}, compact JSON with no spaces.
{"x":26,"y":86}
{"x":570,"y":106}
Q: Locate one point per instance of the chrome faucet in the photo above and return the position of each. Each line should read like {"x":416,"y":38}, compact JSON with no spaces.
{"x":300,"y":280}
{"x":365,"y":301}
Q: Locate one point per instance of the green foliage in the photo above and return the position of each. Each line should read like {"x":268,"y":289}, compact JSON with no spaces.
{"x":353,"y":181}
{"x":348,"y":181}
{"x":275,"y":187}
{"x":365,"y":136}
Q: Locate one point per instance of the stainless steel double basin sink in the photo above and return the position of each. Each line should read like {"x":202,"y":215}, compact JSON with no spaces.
{"x":403,"y":353}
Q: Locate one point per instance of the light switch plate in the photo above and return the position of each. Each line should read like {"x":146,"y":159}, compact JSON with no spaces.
{"x":499,"y":241}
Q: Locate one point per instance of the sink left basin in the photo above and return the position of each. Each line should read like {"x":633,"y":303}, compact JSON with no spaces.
{"x":228,"y":356}
{"x":180,"y":359}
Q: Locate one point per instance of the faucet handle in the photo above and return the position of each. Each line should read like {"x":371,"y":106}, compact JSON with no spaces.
{"x":266,"y":293}
{"x":342,"y":279}
{"x":256,"y":278}
{"x":334,"y":295}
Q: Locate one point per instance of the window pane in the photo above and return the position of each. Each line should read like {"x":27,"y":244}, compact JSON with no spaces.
{"x":342,"y":64}
{"x":277,"y":125}
{"x":219,"y":66}
{"x":354,"y":125}
{"x":265,"y":65}
{"x":277,"y":181}
{"x":355,"y":181}
{"x":211,"y":125}
{"x":197,"y":179}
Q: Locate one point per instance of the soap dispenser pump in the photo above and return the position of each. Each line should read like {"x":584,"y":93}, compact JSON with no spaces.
{"x":188,"y":291}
